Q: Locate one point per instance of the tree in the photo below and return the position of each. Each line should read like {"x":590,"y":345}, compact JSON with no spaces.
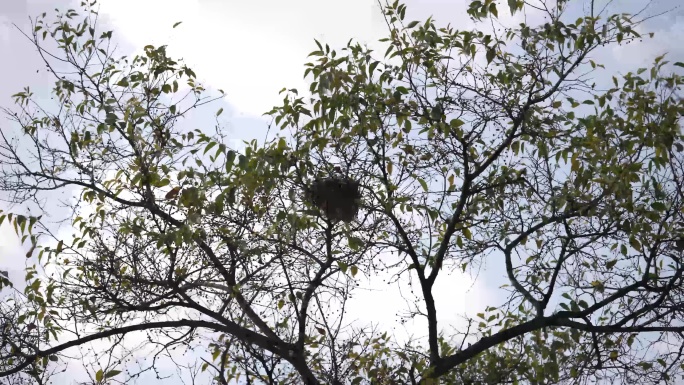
{"x":466,"y":147}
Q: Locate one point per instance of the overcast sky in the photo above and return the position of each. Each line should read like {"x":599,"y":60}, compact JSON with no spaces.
{"x":252,"y":49}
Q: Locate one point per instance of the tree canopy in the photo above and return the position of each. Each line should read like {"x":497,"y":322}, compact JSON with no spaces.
{"x":453,"y":150}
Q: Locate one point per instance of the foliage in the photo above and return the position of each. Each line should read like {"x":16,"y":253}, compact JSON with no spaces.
{"x":467,"y":147}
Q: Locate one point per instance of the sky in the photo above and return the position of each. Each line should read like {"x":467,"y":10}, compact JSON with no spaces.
{"x":251,"y":50}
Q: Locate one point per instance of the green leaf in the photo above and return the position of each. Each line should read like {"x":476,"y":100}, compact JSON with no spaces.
{"x":658,"y":206}
{"x":491,"y":53}
{"x":230,"y":159}
{"x":354,"y":270}
{"x":355,"y":243}
{"x":209,"y":147}
{"x":372,"y":67}
{"x":177,"y":24}
{"x":493,"y":10}
{"x":242,"y":161}
{"x":219,"y":112}
{"x":112,"y":373}
{"x":513,"y":6}
{"x":455,"y":123}
{"x":99,"y":375}
{"x":343,"y":266}
{"x":423,"y":184}
{"x":412,"y":24}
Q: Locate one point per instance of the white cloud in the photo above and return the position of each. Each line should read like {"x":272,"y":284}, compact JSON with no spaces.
{"x":5,"y":28}
{"x":251,"y":50}
{"x":642,"y":52}
{"x":11,"y":250}
{"x":456,"y":295}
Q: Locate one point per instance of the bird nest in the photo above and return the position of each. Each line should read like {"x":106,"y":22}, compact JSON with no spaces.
{"x":337,"y":197}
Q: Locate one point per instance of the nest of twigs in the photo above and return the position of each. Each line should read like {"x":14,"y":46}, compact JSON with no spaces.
{"x":337,"y":197}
